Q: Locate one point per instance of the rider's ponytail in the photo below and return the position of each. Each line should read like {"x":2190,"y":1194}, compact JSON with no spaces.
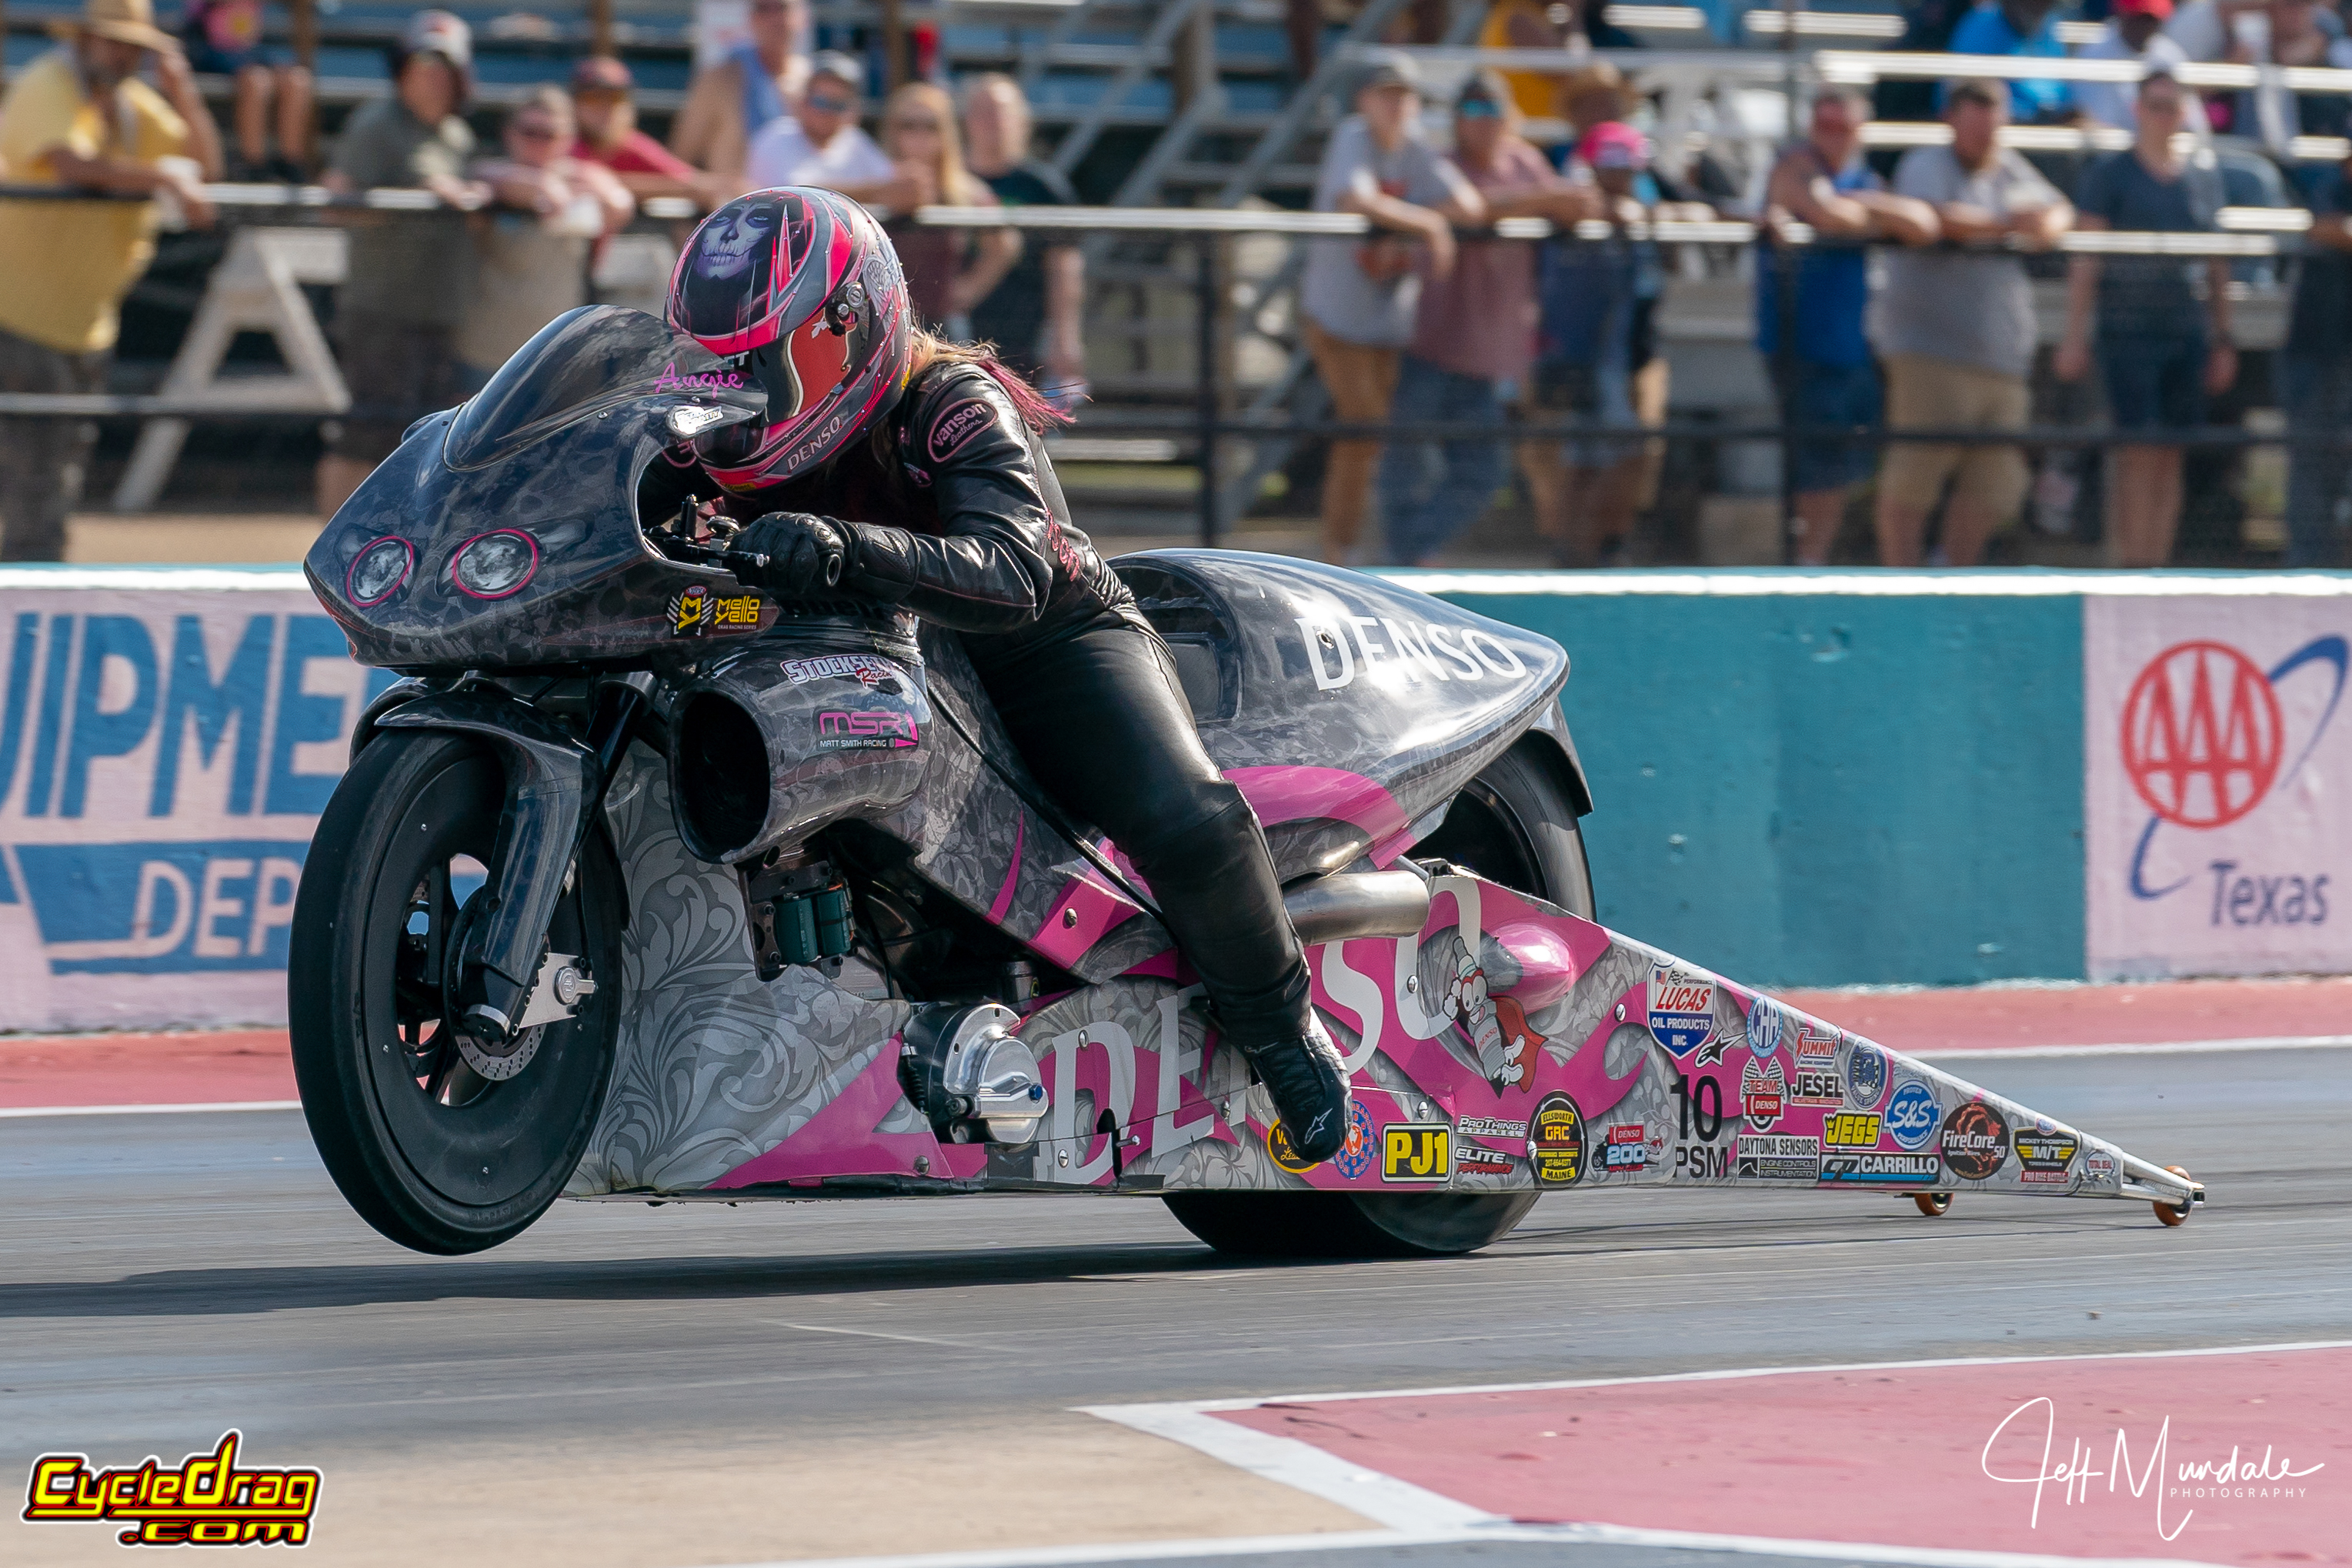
{"x":926,"y":349}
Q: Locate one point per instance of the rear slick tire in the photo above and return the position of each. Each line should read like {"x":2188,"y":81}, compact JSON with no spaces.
{"x":431,"y":1152}
{"x":1512,"y":825}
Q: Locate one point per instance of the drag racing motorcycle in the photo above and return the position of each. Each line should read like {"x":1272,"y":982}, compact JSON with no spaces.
{"x":644,"y":886}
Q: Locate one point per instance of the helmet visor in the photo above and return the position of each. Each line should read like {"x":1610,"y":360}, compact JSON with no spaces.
{"x":769,"y":368}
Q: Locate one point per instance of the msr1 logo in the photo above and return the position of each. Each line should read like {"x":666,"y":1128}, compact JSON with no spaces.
{"x":1416,"y":1151}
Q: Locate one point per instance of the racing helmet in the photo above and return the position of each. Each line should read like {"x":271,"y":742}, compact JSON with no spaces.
{"x":801,"y":291}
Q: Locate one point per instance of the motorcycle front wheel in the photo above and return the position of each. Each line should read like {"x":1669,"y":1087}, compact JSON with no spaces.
{"x":441,"y":1143}
{"x":1514,"y":825}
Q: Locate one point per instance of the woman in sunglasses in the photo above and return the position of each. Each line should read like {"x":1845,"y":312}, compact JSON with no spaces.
{"x":901,"y":468}
{"x":530,"y":248}
{"x":948,"y":271}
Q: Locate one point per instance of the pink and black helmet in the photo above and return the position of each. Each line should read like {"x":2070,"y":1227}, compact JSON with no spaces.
{"x":800,"y":288}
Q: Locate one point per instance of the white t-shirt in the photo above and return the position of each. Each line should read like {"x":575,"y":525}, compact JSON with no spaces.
{"x":2116,"y":104}
{"x":782,"y":155}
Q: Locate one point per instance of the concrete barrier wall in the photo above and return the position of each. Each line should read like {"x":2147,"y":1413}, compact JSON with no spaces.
{"x":1836,"y":778}
{"x":1800,"y":778}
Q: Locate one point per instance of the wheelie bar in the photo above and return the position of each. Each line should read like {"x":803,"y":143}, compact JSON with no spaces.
{"x":556,"y":782}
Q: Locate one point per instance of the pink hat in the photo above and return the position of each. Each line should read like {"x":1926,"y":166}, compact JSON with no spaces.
{"x":1613,"y":144}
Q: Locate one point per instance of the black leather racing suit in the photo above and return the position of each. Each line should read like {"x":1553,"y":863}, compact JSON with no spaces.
{"x":971,"y":531}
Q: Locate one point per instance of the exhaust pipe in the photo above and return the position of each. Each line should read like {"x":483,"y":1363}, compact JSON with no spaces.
{"x":1348,"y":904}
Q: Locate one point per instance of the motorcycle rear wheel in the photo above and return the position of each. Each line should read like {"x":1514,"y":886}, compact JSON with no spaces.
{"x":1512,"y":825}
{"x":430,"y":1152}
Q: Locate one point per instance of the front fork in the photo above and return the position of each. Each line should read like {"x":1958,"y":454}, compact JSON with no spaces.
{"x":556,"y":782}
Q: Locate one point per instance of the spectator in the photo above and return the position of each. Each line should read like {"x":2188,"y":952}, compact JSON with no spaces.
{"x":1595,"y":94}
{"x":1825,"y":376}
{"x":1597,"y":358}
{"x":2136,"y":32}
{"x":2204,"y":28}
{"x":2156,"y":354}
{"x":948,"y":269}
{"x":2027,"y":27}
{"x":2316,"y":374}
{"x":531,"y":255}
{"x":222,"y":38}
{"x":602,"y":90}
{"x":1422,"y":22}
{"x":1033,"y":313}
{"x":1473,"y":333}
{"x":396,"y":313}
{"x":1535,"y":25}
{"x":729,"y":104}
{"x":80,"y":119}
{"x":1356,"y":297}
{"x":820,"y":144}
{"x":1955,"y":331}
{"x":2285,"y":33}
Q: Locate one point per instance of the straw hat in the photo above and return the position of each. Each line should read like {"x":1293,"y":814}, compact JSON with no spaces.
{"x":125,"y":21}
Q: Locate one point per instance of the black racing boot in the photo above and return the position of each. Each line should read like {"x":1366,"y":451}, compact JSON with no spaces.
{"x":1309,"y":1081}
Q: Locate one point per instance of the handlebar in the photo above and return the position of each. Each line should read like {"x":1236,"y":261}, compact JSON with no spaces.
{"x":746,"y":566}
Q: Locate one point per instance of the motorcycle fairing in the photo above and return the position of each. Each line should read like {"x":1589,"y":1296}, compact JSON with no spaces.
{"x":1401,"y":699}
{"x":1518,"y":1041}
{"x":613,"y":385}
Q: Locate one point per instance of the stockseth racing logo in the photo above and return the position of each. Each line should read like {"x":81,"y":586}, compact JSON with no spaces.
{"x":2205,"y":741}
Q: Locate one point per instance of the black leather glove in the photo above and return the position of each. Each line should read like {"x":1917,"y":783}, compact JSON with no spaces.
{"x":793,"y":554}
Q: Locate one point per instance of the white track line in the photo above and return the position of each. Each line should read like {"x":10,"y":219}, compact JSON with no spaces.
{"x":10,"y":1111}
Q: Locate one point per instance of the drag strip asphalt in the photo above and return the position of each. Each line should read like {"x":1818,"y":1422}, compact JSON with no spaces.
{"x":900,"y":1375}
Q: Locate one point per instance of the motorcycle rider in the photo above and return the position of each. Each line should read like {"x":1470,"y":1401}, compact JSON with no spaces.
{"x":899,"y":468}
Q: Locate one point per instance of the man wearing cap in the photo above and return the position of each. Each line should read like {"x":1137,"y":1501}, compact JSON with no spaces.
{"x":1955,"y":331}
{"x":728,"y":103}
{"x":405,"y":292}
{"x":1358,"y":296}
{"x":80,"y":118}
{"x":820,"y":143}
{"x":602,"y":90}
{"x":2134,"y":32}
{"x":1473,"y":333}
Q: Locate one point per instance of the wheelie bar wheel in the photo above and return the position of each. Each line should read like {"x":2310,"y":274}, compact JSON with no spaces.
{"x":2174,"y":1214}
{"x":1932,"y":1204}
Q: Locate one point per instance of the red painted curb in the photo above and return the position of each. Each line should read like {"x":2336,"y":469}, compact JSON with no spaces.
{"x":1995,"y":1017}
{"x":146,"y":1070}
{"x":1898,"y":1457}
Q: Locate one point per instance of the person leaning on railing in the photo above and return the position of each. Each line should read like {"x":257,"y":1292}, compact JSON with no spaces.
{"x":731,"y":100}
{"x":1824,"y":374}
{"x":603,"y":101}
{"x":1955,"y":331}
{"x":2159,"y":357}
{"x":396,"y":313}
{"x":81,"y":119}
{"x":2316,"y":377}
{"x":1357,"y":295}
{"x":1034,"y":314}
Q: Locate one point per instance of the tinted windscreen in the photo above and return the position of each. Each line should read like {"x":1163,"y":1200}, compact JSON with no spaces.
{"x":584,"y":360}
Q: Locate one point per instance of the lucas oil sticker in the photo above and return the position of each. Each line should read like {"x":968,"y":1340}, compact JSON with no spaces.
{"x":1682,"y":1008}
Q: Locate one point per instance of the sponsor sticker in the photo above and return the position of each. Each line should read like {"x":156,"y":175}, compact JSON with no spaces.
{"x":1850,"y":1129}
{"x":863,"y":667}
{"x":2100,"y":1167}
{"x":2045,"y":1153}
{"x":1779,"y":1157}
{"x":697,"y":610}
{"x":1626,"y":1149}
{"x":1811,"y":1085}
{"x":206,"y":1500}
{"x":1470,"y":1160}
{"x":1556,"y":1141}
{"x":1763,"y":1093}
{"x":958,"y":426}
{"x":1817,"y":1046}
{"x":1865,"y":1076}
{"x":1278,"y":1149}
{"x":1490,"y":1127}
{"x":1414,"y":1151}
{"x":1682,"y":1008}
{"x":1355,"y":1156}
{"x":1867,"y":1165}
{"x":1912,"y":1116}
{"x":1976,"y":1141}
{"x":840,"y":731}
{"x":1764,"y":1021}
